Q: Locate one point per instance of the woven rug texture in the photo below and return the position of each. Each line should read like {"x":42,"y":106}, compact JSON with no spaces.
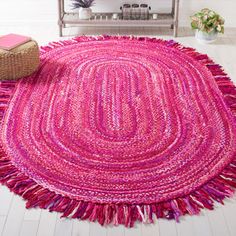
{"x":120,"y":129}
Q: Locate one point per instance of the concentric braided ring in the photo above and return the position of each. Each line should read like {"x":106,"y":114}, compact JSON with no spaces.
{"x":119,"y":121}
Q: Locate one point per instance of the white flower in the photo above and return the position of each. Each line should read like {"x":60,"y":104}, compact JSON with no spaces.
{"x":205,"y":17}
{"x":218,"y":28}
{"x":211,"y":13}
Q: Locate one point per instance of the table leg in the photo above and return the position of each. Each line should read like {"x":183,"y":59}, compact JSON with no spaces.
{"x":60,"y":16}
{"x":176,"y":18}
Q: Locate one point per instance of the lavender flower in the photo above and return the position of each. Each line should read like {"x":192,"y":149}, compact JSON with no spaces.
{"x":82,"y":3}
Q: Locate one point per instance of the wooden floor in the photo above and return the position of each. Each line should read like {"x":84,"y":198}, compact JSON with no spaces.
{"x":16,"y":220}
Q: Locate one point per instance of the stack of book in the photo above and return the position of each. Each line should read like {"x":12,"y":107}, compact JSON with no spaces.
{"x":10,"y":41}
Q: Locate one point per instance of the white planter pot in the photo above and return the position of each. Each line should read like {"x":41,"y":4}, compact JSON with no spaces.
{"x":204,"y":37}
{"x":85,"y":13}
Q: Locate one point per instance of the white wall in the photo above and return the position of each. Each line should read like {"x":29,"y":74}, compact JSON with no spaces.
{"x":46,"y":10}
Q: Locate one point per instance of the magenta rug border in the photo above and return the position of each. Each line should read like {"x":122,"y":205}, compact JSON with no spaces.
{"x":217,"y":189}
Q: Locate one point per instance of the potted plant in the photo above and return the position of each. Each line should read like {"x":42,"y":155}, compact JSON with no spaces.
{"x":83,"y":6}
{"x":207,"y":24}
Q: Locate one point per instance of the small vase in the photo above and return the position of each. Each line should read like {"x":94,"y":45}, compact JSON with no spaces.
{"x":85,"y":13}
{"x":204,"y":37}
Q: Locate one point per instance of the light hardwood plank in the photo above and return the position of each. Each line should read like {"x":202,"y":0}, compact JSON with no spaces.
{"x":201,"y":225}
{"x":80,"y":228}
{"x":15,"y":217}
{"x":150,"y":229}
{"x":135,"y":231}
{"x":185,"y":226}
{"x":229,"y":212}
{"x":218,"y":222}
{"x":6,"y":199}
{"x":116,"y":230}
{"x":32,"y":214}
{"x":63,"y":226}
{"x":2,"y":223}
{"x":29,"y":228}
{"x":47,"y":223}
{"x":167,"y":227}
{"x":97,"y":230}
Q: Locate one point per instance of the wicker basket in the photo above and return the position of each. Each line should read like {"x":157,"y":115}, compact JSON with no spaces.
{"x":20,"y":61}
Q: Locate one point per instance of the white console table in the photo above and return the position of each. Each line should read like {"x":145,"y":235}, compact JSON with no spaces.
{"x":105,"y":19}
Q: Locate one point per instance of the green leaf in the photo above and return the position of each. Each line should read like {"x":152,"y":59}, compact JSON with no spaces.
{"x":207,"y":20}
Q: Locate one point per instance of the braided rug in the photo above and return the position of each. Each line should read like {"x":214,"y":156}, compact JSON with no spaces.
{"x":119,"y":129}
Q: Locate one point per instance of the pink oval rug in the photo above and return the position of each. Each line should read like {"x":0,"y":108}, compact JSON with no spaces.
{"x":117,"y":129}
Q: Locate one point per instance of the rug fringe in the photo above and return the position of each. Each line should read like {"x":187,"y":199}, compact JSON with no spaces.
{"x":217,"y":189}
